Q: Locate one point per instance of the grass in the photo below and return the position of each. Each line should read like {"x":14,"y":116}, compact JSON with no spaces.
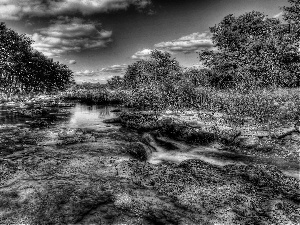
{"x":274,"y":107}
{"x":93,"y":96}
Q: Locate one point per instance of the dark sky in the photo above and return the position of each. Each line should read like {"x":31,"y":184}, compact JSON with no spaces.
{"x":99,"y":38}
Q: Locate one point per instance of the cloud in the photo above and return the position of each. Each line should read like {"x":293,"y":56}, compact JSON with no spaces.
{"x":91,"y":76}
{"x":115,"y":69}
{"x":86,"y":73}
{"x":145,"y":53}
{"x":69,"y":35}
{"x":17,"y":9}
{"x":278,"y":15}
{"x":72,"y":61}
{"x":187,"y":44}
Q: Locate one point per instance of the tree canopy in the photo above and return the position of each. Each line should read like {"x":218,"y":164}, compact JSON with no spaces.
{"x":160,"y":66}
{"x":253,"y":50}
{"x":23,"y":69}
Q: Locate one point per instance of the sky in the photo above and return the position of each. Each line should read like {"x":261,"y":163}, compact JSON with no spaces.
{"x":98,"y":39}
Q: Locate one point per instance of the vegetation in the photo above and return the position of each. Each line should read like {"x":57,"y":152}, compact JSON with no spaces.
{"x":92,"y":94}
{"x":255,"y":65}
{"x":24,"y":70}
{"x":253,"y":51}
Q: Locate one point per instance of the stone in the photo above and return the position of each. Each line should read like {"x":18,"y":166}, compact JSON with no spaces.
{"x":116,"y":110}
{"x":139,"y":151}
{"x":247,"y":141}
{"x":112,"y":120}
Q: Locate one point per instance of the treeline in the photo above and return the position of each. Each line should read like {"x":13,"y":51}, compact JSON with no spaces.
{"x":250,"y":51}
{"x":24,"y":70}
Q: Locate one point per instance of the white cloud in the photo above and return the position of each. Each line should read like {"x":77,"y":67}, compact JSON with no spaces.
{"x":187,"y":44}
{"x":72,"y":61}
{"x":67,"y":35}
{"x":91,"y":76}
{"x":86,"y":73}
{"x":278,"y":15}
{"x":17,"y":9}
{"x":143,"y":54}
{"x":115,"y":69}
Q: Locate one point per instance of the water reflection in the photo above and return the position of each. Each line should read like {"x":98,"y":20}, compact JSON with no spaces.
{"x":77,"y":116}
{"x":87,"y":116}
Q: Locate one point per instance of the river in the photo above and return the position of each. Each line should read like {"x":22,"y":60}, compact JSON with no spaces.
{"x":79,"y":116}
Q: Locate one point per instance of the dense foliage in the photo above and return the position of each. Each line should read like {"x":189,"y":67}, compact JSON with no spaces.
{"x":24,"y":70}
{"x":157,"y":69}
{"x":253,"y":51}
{"x":292,"y":16}
{"x":160,"y":82}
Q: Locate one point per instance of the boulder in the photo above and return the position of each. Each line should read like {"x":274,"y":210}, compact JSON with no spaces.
{"x":112,"y":120}
{"x":142,"y":121}
{"x":179,"y":130}
{"x":247,"y":141}
{"x":139,"y":151}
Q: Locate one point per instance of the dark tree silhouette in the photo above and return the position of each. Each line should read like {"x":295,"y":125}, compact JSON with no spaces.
{"x":23,"y":69}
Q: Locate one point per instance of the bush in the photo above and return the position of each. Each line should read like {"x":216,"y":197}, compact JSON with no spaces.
{"x":274,"y":107}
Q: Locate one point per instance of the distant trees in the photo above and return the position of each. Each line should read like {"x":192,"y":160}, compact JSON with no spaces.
{"x":253,"y":50}
{"x":160,"y":82}
{"x":292,"y":16}
{"x":158,"y":68}
{"x":24,"y":70}
{"x":115,"y":82}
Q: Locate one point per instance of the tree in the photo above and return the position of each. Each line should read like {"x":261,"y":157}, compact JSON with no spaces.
{"x":198,"y":77}
{"x":292,"y":13}
{"x":292,"y":16}
{"x":252,"y":50}
{"x":159,"y":68}
{"x":23,"y":69}
{"x":115,"y":82}
{"x":14,"y":49}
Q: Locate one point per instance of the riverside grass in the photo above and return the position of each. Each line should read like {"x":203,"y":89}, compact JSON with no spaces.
{"x":271,"y":106}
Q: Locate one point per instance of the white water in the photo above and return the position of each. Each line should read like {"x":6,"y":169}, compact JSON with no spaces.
{"x":211,"y":154}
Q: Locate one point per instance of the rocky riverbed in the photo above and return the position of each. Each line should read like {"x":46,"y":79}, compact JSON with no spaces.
{"x":143,"y":168}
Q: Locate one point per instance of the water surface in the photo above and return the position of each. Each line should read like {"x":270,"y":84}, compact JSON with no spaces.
{"x":92,"y":116}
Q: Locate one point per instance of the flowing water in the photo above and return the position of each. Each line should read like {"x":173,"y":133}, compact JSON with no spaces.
{"x":92,"y":116}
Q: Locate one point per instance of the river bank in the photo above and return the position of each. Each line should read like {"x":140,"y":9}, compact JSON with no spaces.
{"x":75,"y":171}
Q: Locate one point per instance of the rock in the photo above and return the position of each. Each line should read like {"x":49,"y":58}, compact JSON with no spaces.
{"x":178,"y":130}
{"x":142,"y":121}
{"x":247,"y":141}
{"x":139,"y":151}
{"x":112,"y":120}
{"x":116,"y":110}
{"x":295,"y":137}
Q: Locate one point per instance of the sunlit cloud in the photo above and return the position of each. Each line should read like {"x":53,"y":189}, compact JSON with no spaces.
{"x":72,"y":61}
{"x":143,"y":54}
{"x":115,"y":69}
{"x":91,"y":76}
{"x":69,"y":35}
{"x":17,"y":9}
{"x":278,"y":15}
{"x":188,"y":44}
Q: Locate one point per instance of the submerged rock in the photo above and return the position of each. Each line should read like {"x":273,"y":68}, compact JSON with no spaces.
{"x":112,"y":120}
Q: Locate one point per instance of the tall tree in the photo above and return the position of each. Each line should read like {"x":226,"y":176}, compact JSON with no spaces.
{"x":253,"y":50}
{"x":14,"y":49}
{"x":23,"y":69}
{"x":159,"y":67}
{"x":291,"y":15}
